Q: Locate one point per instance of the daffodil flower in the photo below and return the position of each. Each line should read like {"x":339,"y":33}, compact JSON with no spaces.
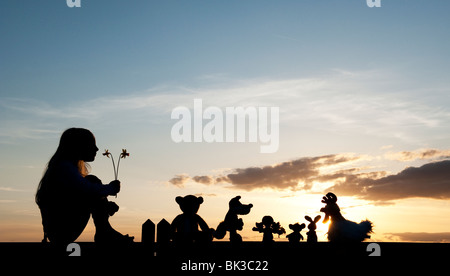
{"x":124,"y":153}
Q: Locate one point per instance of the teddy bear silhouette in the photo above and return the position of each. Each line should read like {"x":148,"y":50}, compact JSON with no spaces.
{"x":184,"y":228}
{"x":311,"y":234}
{"x":268,"y":226}
{"x":295,"y":236}
{"x":231,"y":222}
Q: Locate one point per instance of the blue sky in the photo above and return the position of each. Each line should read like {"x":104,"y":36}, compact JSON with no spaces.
{"x":113,"y":47}
{"x":364,"y":82}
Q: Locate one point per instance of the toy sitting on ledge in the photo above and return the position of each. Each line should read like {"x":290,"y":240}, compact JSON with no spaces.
{"x":232,"y":223}
{"x":295,"y":236}
{"x":340,"y":229}
{"x":312,"y":236}
{"x":268,"y":226}
{"x":184,"y":228}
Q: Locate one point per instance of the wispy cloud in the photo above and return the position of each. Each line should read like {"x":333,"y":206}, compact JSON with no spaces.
{"x":419,"y":237}
{"x":418,"y":154}
{"x":339,"y":102}
{"x":10,"y":189}
{"x":7,"y":201}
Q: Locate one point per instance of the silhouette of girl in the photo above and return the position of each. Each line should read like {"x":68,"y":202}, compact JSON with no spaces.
{"x":67,"y":195}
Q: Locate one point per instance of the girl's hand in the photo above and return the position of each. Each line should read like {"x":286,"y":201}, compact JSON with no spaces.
{"x":115,"y":187}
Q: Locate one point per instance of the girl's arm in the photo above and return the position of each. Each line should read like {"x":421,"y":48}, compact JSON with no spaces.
{"x":70,"y":176}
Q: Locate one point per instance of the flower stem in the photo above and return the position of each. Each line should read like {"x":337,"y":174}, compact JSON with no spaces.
{"x":117,"y":170}
{"x":114,"y":167}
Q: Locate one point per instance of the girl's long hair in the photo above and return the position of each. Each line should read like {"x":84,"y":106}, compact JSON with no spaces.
{"x":72,"y":142}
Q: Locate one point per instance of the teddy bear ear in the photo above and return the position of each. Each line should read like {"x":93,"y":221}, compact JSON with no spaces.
{"x":179,"y":199}
{"x":200,"y":200}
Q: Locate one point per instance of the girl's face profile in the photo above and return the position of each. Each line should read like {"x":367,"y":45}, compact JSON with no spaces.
{"x":89,"y":150}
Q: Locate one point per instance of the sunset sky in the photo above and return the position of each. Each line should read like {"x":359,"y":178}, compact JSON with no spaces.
{"x":363,"y":96}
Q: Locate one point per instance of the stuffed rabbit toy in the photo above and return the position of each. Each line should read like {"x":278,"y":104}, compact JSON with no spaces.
{"x":312,"y":236}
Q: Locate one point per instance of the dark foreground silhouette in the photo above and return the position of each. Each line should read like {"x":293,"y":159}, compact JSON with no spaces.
{"x":296,"y":236}
{"x":184,"y":228}
{"x":312,"y":236}
{"x":232,"y":223}
{"x":67,"y":195}
{"x":268,"y":227}
{"x":340,"y":229}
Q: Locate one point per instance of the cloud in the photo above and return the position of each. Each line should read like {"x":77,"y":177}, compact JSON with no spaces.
{"x":420,"y":236}
{"x":431,"y":180}
{"x":10,"y":189}
{"x":297,"y":174}
{"x":204,"y":195}
{"x":7,"y":201}
{"x":179,"y":180}
{"x":418,"y":154}
{"x":205,"y":179}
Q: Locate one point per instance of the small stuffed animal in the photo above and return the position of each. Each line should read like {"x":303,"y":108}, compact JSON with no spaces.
{"x":268,"y":226}
{"x":184,"y":227}
{"x":295,"y":236}
{"x":312,"y":236}
{"x":232,"y":223}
